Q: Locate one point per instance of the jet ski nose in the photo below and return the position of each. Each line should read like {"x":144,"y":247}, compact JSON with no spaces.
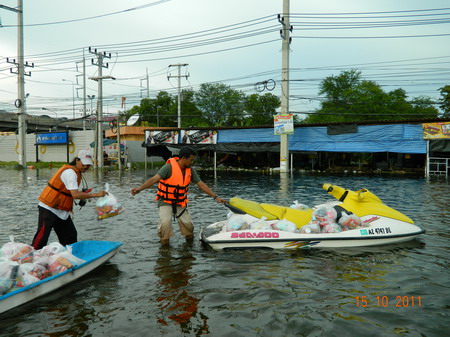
{"x":327,"y":187}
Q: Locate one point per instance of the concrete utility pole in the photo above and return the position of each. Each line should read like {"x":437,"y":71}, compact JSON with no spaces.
{"x":21,"y":90}
{"x":286,"y":40}
{"x":179,"y":88}
{"x":73,"y":96}
{"x":99,"y":79}
{"x":83,"y":74}
{"x":20,"y":101}
{"x":146,"y":89}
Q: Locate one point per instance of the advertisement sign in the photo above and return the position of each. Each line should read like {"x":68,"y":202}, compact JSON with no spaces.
{"x":440,"y":130}
{"x":52,"y":138}
{"x":198,"y":136}
{"x":283,"y":124}
{"x":161,"y":137}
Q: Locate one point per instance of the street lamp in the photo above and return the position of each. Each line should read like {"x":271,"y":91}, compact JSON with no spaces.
{"x":91,"y":97}
{"x":73,"y":96}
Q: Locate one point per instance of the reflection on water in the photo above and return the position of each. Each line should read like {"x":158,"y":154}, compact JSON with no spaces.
{"x":191,"y":291}
{"x":176,"y":300}
{"x":73,"y":318}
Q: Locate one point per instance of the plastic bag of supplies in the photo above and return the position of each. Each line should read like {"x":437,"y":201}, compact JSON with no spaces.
{"x":108,"y":205}
{"x":236,"y":222}
{"x":16,"y":251}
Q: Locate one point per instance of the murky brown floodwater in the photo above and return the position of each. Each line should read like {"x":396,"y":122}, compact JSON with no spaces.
{"x":191,"y":291}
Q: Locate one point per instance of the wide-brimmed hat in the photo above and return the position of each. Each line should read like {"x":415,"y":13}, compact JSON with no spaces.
{"x":85,"y":157}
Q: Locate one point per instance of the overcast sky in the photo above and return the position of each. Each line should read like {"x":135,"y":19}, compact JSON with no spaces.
{"x":398,"y":44}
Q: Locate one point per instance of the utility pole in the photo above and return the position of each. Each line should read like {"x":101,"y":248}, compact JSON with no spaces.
{"x":20,"y":101}
{"x":73,"y":96}
{"x":179,"y":88}
{"x":84,"y":88}
{"x":286,"y":41}
{"x":146,"y":89}
{"x":99,"y":79}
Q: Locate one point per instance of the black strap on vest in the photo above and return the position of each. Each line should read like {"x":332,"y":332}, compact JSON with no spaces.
{"x":62,"y":192}
{"x":179,"y":193}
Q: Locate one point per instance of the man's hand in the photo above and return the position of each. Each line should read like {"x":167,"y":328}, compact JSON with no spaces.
{"x":135,"y":191}
{"x":101,"y":194}
{"x":220,"y":200}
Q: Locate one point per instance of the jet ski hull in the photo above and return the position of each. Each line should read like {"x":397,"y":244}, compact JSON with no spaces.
{"x":380,"y":231}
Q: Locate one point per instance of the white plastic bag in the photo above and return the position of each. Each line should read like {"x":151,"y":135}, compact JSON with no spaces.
{"x":312,"y":227}
{"x":8,"y":274}
{"x":349,"y":221}
{"x":260,"y":224}
{"x":108,"y":205}
{"x":51,"y":249}
{"x":16,"y":251}
{"x":236,"y":222}
{"x":297,"y":205}
{"x":285,"y":225}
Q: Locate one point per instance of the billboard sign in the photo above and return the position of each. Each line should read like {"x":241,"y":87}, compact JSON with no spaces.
{"x":440,"y":130}
{"x":198,"y":136}
{"x":283,"y":124}
{"x":52,"y":138}
{"x":161,"y":137}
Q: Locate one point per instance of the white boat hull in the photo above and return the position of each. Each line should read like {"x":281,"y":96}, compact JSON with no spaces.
{"x":381,"y":231}
{"x":45,"y":286}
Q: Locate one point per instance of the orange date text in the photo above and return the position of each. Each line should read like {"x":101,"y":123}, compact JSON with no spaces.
{"x":385,"y":301}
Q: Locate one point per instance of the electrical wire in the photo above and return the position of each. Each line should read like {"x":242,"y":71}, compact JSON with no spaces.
{"x":91,"y":17}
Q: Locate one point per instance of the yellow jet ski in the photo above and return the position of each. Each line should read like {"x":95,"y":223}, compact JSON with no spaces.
{"x":354,"y":219}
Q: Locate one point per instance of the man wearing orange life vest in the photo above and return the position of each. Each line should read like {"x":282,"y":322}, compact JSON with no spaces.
{"x":174,"y":179}
{"x":56,"y":201}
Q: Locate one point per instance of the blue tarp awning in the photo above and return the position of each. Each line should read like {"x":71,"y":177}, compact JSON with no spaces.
{"x":399,"y":138}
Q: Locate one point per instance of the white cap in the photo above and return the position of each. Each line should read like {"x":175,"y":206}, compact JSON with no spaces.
{"x":85,"y":157}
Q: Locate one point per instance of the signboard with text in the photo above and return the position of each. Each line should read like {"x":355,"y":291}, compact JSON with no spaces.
{"x":52,"y":138}
{"x":198,"y":136}
{"x":283,"y":124}
{"x":161,"y":137}
{"x":439,"y":130}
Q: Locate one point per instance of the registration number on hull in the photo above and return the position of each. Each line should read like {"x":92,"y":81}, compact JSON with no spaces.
{"x":374,"y":231}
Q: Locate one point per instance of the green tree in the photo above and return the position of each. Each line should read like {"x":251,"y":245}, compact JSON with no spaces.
{"x":261,"y":108}
{"x":220,"y":105}
{"x":445,"y":100}
{"x":191,"y":116}
{"x":158,"y":111}
{"x":348,"y":98}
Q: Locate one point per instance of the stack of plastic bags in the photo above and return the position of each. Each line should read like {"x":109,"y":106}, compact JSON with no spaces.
{"x":325,"y":220}
{"x":236,"y":222}
{"x":108,"y":205}
{"x":22,"y":265}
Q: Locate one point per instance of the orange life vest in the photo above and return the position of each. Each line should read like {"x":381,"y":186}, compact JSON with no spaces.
{"x":55,"y":194}
{"x":174,"y":189}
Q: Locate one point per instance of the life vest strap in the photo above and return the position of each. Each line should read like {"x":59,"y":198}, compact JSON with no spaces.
{"x":174,"y":186}
{"x":57,"y":190}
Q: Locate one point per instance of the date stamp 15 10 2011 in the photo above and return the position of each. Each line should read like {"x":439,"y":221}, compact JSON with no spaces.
{"x":385,"y":301}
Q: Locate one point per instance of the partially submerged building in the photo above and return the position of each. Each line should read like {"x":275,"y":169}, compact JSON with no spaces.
{"x":416,"y":146}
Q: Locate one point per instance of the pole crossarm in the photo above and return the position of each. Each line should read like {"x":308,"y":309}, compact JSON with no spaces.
{"x":179,"y":76}
{"x":11,"y":9}
{"x":99,"y":113}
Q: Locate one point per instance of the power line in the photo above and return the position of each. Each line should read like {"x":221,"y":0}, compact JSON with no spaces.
{"x":91,"y":17}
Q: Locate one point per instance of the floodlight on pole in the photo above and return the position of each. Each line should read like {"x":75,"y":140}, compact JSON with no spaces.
{"x":91,"y":98}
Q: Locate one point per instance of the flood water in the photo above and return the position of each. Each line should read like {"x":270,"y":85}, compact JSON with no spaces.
{"x":192,"y":291}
